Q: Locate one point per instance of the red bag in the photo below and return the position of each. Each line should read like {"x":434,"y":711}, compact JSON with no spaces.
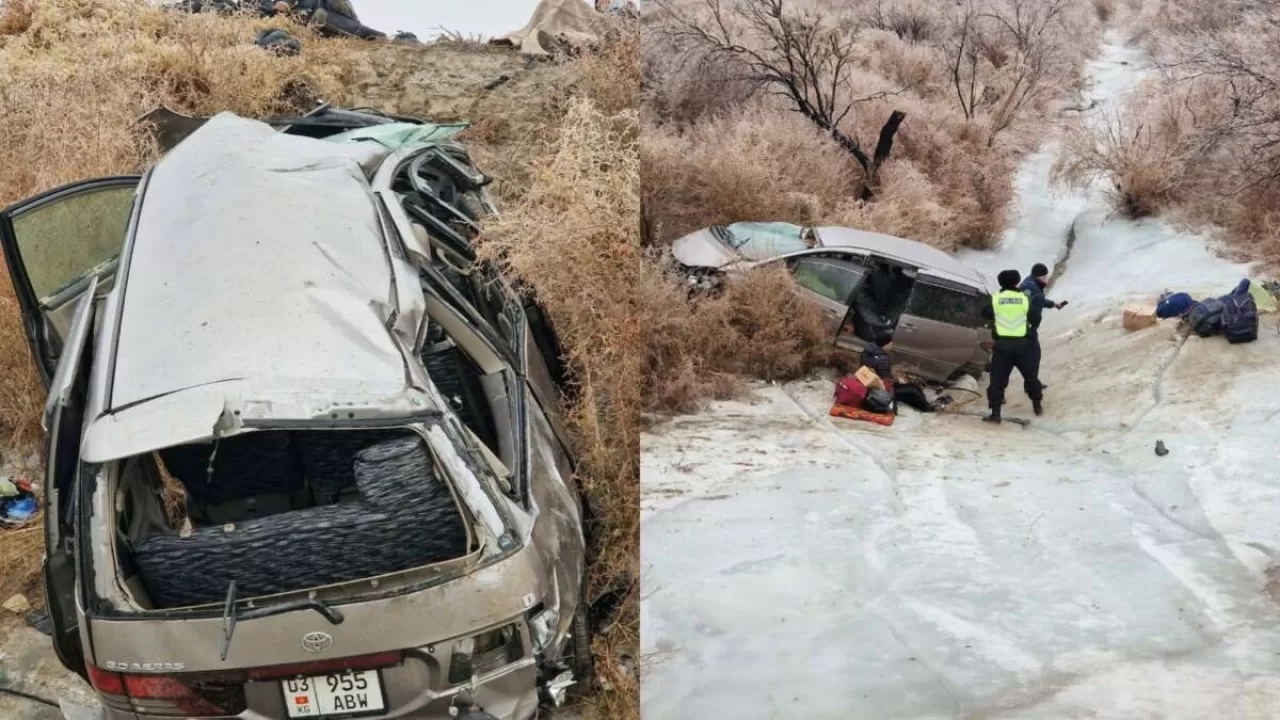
{"x":850,"y":391}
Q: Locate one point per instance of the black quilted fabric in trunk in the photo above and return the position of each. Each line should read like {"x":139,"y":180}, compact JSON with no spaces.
{"x":405,"y":517}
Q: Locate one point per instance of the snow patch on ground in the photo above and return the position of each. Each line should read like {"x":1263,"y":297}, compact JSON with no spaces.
{"x":800,"y":565}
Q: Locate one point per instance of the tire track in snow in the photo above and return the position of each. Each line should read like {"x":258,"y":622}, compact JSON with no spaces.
{"x":890,"y":473}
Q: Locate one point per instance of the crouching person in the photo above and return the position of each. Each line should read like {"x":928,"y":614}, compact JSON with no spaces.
{"x":876,"y":356}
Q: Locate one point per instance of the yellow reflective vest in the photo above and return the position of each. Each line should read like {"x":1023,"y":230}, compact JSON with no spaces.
{"x":1010,"y":308}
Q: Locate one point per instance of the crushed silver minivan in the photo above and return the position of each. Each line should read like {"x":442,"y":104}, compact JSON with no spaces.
{"x":863,"y":283}
{"x":304,"y":457}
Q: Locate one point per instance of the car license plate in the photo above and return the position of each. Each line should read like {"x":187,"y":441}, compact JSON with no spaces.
{"x":350,"y":694}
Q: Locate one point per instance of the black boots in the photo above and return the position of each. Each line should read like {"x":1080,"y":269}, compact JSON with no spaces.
{"x":1038,"y":406}
{"x":994,"y":417}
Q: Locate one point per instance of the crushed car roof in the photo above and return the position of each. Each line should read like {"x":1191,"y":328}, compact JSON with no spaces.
{"x":922,"y":256}
{"x":259,"y":266}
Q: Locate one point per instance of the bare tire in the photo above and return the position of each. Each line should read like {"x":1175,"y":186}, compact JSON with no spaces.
{"x":578,"y":649}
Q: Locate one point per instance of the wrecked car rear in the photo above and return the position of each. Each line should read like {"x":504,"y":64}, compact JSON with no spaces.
{"x":305,"y":458}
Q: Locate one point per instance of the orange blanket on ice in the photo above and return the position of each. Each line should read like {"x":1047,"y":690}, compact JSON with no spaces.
{"x":853,"y":413}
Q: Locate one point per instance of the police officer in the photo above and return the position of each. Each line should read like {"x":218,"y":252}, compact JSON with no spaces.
{"x":1034,"y":286}
{"x":1008,"y":315}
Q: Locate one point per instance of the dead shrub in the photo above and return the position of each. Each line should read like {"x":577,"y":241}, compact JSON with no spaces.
{"x":612,"y":76}
{"x":1105,"y":9}
{"x":16,"y":16}
{"x":761,"y":164}
{"x":1148,"y":157}
{"x":1131,"y":162}
{"x":573,"y":237}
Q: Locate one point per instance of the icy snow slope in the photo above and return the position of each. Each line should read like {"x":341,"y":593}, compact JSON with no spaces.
{"x":797,"y":566}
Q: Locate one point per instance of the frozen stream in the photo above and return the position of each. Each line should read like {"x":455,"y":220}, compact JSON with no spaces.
{"x":797,"y":566}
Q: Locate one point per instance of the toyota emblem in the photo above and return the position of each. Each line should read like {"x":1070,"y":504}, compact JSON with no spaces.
{"x":317,"y":642}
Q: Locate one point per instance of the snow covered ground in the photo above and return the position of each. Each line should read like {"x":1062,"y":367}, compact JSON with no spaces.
{"x":800,"y":566}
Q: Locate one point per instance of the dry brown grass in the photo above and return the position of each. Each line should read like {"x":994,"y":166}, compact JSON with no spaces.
{"x":700,"y":348}
{"x":573,"y":235}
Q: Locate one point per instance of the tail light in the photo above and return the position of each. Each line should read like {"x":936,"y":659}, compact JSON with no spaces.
{"x":187,"y":696}
{"x":212,"y":694}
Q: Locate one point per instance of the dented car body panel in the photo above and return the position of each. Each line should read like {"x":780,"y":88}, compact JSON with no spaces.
{"x":273,"y":291}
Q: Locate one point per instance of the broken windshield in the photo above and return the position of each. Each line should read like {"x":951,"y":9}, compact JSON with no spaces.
{"x":764,"y":240}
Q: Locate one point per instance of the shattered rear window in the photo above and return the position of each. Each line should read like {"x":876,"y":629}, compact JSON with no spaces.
{"x":761,"y":240}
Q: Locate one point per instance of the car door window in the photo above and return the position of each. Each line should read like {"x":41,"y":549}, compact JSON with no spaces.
{"x":62,"y":241}
{"x":832,"y":279}
{"x":945,"y":305}
{"x":54,"y":244}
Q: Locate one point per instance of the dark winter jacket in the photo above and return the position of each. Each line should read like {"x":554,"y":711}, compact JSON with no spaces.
{"x":1039,"y":303}
{"x":877,"y":358}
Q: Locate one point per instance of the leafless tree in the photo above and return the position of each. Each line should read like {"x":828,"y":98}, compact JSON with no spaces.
{"x":963,"y":59}
{"x":1249,"y":80}
{"x":972,"y":61}
{"x":798,"y":55}
{"x":1026,"y":20}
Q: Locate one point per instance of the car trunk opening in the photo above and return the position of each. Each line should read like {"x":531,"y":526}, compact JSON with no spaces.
{"x":280,"y":511}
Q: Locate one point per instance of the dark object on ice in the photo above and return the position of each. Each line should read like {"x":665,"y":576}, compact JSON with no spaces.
{"x":39,"y":620}
{"x":1205,"y":317}
{"x":1161,"y":450}
{"x":878,"y":400}
{"x":335,"y":18}
{"x":278,"y":41}
{"x":398,"y":490}
{"x":222,"y":7}
{"x":1240,"y":318}
{"x":1174,"y":305}
{"x":605,"y":609}
{"x":496,"y":82}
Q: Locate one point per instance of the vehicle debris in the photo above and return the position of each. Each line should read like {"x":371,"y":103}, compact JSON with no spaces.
{"x":17,"y":604}
{"x":558,"y":27}
{"x":278,"y":41}
{"x":18,"y":503}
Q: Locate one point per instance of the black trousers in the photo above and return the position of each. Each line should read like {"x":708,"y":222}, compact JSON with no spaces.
{"x":1033,"y":342}
{"x":1023,"y":354}
{"x":912,"y":397}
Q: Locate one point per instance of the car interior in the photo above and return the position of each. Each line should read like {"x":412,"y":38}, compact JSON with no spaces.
{"x":877,"y":291}
{"x":279,"y":511}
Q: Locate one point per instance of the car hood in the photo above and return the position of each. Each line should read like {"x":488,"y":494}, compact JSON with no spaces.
{"x":701,"y":249}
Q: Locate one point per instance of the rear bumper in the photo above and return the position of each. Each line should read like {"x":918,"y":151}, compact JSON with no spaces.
{"x":507,"y":694}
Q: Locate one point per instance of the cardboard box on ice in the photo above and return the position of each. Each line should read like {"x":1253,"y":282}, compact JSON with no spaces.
{"x":1137,"y":317}
{"x":868,"y":377}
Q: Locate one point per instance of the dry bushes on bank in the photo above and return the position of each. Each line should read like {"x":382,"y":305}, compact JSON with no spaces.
{"x":573,"y":236}
{"x":1198,"y":142}
{"x":976,"y":80}
{"x":699,"y":349}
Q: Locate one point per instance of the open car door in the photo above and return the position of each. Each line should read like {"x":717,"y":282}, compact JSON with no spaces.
{"x":56,"y":246}
{"x":63,"y":422}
